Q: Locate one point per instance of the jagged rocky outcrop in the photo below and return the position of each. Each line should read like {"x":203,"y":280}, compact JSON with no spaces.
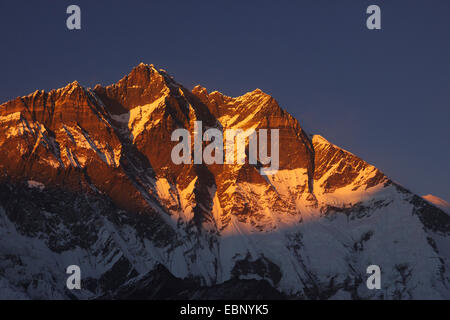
{"x":86,"y":178}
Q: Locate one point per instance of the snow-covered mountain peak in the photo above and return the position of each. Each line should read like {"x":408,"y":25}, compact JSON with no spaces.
{"x":86,"y":178}
{"x":441,"y":203}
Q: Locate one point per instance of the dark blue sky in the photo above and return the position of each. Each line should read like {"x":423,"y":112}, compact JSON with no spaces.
{"x":383,"y":95}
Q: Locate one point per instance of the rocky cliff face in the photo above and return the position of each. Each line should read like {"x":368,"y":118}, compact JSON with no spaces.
{"x":86,"y":178}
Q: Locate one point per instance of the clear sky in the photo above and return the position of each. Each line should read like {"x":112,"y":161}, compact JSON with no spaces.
{"x":384,"y":95}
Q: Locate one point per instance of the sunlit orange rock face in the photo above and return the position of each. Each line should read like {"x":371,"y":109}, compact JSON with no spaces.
{"x":112,"y":146}
{"x":81,"y":138}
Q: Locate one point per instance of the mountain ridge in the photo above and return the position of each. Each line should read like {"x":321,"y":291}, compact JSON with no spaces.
{"x":440,"y":203}
{"x":86,"y":177}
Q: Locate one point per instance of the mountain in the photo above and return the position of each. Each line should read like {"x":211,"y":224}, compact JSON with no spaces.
{"x":86,"y":178}
{"x":438,"y":202}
